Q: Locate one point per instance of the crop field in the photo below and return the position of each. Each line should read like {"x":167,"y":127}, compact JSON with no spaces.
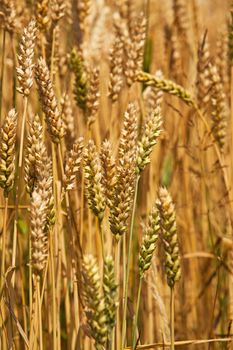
{"x":116,"y":174}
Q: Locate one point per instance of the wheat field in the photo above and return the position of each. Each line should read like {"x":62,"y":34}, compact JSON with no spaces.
{"x":116,"y":174}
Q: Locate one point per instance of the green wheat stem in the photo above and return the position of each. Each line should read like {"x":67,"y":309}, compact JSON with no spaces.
{"x":137,"y":311}
{"x":172,"y":318}
{"x":128,"y":263}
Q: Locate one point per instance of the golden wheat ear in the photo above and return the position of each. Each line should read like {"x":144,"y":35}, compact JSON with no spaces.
{"x":7,"y":152}
{"x":48,"y":100}
{"x":73,"y":164}
{"x":25,"y":58}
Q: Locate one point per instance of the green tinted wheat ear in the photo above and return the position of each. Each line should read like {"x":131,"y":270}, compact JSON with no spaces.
{"x":150,"y":237}
{"x":171,"y":249}
{"x":25,"y":58}
{"x":81,"y":79}
{"x":94,"y":301}
{"x":165,"y":85}
{"x":218,"y":107}
{"x":169,"y":236}
{"x":7,"y":152}
{"x":110,"y":291}
{"x":150,"y":135}
{"x":109,"y":170}
{"x":39,"y":245}
{"x":93,"y":180}
{"x":33,"y":153}
{"x":73,"y":164}
{"x":49,"y":102}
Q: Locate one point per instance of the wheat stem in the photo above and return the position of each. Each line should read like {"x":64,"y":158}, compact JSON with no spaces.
{"x":54,"y":311}
{"x":22,"y":132}
{"x":4,"y":242}
{"x":172,"y":318}
{"x":136,"y":314}
{"x":39,"y":311}
{"x":125,"y":297}
{"x":2,"y":69}
{"x":117,"y":330}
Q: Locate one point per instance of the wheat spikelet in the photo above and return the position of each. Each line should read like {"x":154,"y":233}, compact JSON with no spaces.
{"x":73,"y":164}
{"x":150,"y":135}
{"x":93,"y":180}
{"x":166,"y":86}
{"x":39,"y":244}
{"x":8,"y":16}
{"x":181,"y":18}
{"x":153,"y":97}
{"x":49,"y":103}
{"x":203,"y":78}
{"x":67,"y":117}
{"x":150,"y":237}
{"x":44,"y":186}
{"x":83,"y":13}
{"x":41,"y":13}
{"x":175,"y":56}
{"x":110,"y":291}
{"x":94,"y":301}
{"x":230,"y":35}
{"x":129,"y":133}
{"x":122,"y":196}
{"x":116,"y":67}
{"x":33,"y":154}
{"x":93,"y":95}
{"x":25,"y":58}
{"x":57,"y":11}
{"x":7,"y":152}
{"x":97,"y":45}
{"x":38,"y":169}
{"x":134,"y":49}
{"x":109,"y":172}
{"x":222,"y":60}
{"x":218,"y":107}
{"x":169,"y":236}
{"x":125,"y":173}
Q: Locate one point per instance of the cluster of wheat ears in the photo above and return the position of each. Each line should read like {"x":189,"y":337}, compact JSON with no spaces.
{"x":116,"y":174}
